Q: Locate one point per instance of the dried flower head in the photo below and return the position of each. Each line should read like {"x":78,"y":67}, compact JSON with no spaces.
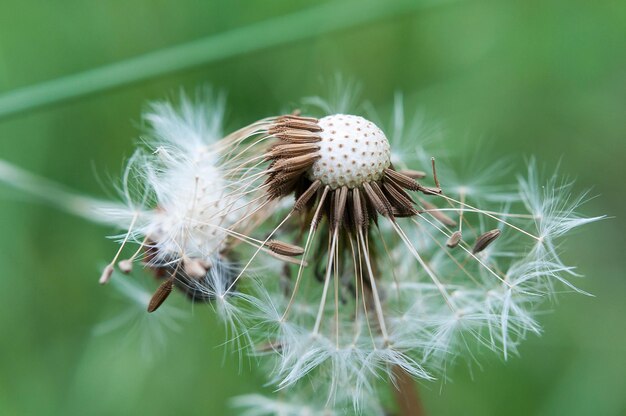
{"x":404,"y":273}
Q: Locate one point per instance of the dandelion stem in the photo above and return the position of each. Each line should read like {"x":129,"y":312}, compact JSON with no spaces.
{"x":406,"y":395}
{"x":309,"y":23}
{"x":55,"y":194}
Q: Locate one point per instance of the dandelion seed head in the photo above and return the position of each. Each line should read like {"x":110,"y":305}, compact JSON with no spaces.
{"x":397,"y":275}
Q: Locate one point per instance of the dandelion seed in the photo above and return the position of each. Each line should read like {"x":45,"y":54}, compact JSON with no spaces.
{"x":161,"y":294}
{"x":195,"y":268}
{"x":455,"y":239}
{"x":106,"y":274}
{"x":484,"y":240}
{"x":284,"y":249}
{"x":125,"y":266}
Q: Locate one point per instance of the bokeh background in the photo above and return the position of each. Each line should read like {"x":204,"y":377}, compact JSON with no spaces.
{"x":535,"y":77}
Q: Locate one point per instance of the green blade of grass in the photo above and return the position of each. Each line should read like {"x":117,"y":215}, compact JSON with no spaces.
{"x":329,"y":17}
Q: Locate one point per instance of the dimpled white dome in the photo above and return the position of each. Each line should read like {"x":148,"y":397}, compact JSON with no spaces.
{"x":353,"y":150}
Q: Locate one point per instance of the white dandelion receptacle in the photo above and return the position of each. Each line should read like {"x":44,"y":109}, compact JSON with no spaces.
{"x":352,"y":150}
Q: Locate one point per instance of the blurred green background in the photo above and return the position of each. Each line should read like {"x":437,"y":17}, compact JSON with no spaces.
{"x":534,"y":77}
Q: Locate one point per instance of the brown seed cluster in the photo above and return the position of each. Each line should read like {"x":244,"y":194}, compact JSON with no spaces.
{"x":293,"y":156}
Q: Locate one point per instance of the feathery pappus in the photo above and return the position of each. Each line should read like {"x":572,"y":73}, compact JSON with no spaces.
{"x":179,"y":205}
{"x":402,"y":272}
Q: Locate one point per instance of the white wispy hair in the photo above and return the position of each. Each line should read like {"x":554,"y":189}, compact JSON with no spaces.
{"x":343,"y":95}
{"x":259,"y":405}
{"x":302,"y":402}
{"x":177,"y":195}
{"x":343,"y":365}
{"x":472,"y":269}
{"x":555,"y":208}
{"x":148,"y":333}
{"x":176,"y":201}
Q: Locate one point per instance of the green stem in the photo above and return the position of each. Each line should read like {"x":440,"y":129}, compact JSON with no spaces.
{"x":329,"y":17}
